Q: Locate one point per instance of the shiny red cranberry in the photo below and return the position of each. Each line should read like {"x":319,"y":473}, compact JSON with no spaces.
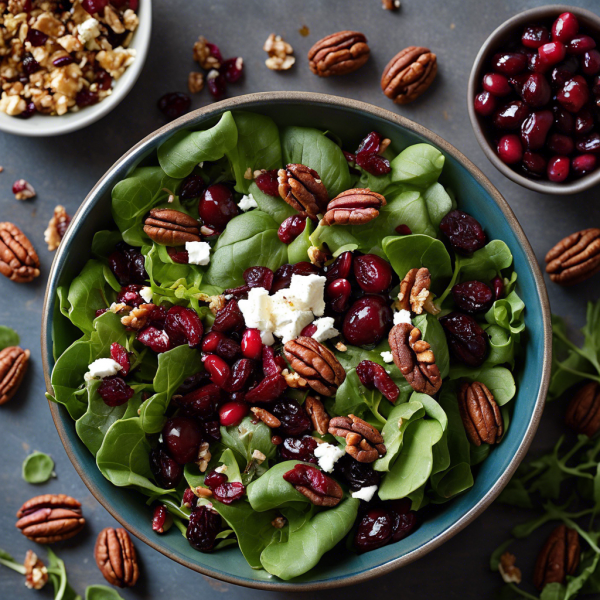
{"x":203,"y":527}
{"x":368,"y":321}
{"x":404,"y":519}
{"x":372,"y":375}
{"x":558,"y":168}
{"x":269,"y":389}
{"x":563,"y":120}
{"x":590,"y":63}
{"x":464,"y":233}
{"x":128,"y":265}
{"x":338,"y":294}
{"x":565,"y":27}
{"x":258,"y":277}
{"x":485,"y":104}
{"x":219,"y":370}
{"x":374,"y":530}
{"x":340,"y":268}
{"x":467,"y":341}
{"x":373,"y":163}
{"x":229,"y":318}
{"x":580,"y":44}
{"x":252,"y":344}
{"x":535,"y":36}
{"x":574,"y":94}
{"x":535,"y":128}
{"x":294,"y":418}
{"x":511,"y":115}
{"x":496,"y":84}
{"x":232,"y":413}
{"x":211,"y":342}
{"x":36,"y":37}
{"x":535,"y":90}
{"x":121,"y":356}
{"x":560,"y":144}
{"x":283,"y":278}
{"x":583,"y":164}
{"x":584,"y":121}
{"x":589,"y":144}
{"x":114,"y":391}
{"x":182,"y":439}
{"x":174,"y":105}
{"x":309,"y":330}
{"x":403,"y":230}
{"x":498,"y":287}
{"x":158,"y":317}
{"x":214,"y":479}
{"x":94,"y":6}
{"x":62,"y":61}
{"x":356,"y":474}
{"x":509,"y":63}
{"x":156,"y":339}
{"x":165,"y":470}
{"x":534,"y":64}
{"x":233,"y":69}
{"x":183,"y":326}
{"x":510,"y":149}
{"x":370,"y":144}
{"x":229,"y":492}
{"x":473,"y":296}
{"x":299,"y":448}
{"x":373,"y":274}
{"x":216,"y":207}
{"x":291,"y":228}
{"x":551,"y":53}
{"x":216,"y":84}
{"x":161,"y":519}
{"x":268,"y":184}
{"x":240,"y":374}
{"x":534,"y":164}
{"x":201,"y":403}
{"x":191,"y":187}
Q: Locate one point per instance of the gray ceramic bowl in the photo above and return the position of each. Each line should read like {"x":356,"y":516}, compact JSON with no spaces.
{"x":351,"y":120}
{"x":495,"y":42}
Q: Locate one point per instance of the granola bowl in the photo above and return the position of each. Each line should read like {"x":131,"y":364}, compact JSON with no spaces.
{"x":111,"y":89}
{"x":307,"y":563}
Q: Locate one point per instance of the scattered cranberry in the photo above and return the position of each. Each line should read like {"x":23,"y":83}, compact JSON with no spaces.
{"x":103,"y":79}
{"x":405,"y":520}
{"x":36,"y":37}
{"x":338,"y":294}
{"x":485,"y":104}
{"x":282,"y":278}
{"x":219,"y":370}
{"x":565,"y":27}
{"x":203,"y":528}
{"x":370,"y":144}
{"x":62,"y":61}
{"x":201,"y":403}
{"x":583,"y":164}
{"x":232,"y":413}
{"x":368,"y":321}
{"x":229,"y":318}
{"x":29,"y":111}
{"x":214,"y":479}
{"x":174,"y":105}
{"x":350,"y":158}
{"x":269,"y":389}
{"x":403,"y":230}
{"x":269,"y":362}
{"x":473,"y":296}
{"x":356,"y":474}
{"x":182,"y":439}
{"x":509,"y":63}
{"x":191,"y":187}
{"x":233,"y":69}
{"x":372,"y":375}
{"x":178,"y":255}
{"x":166,"y":471}
{"x":498,"y":287}
{"x":535,"y":36}
{"x":30,"y":65}
{"x":589,"y":143}
{"x":373,"y":163}
{"x":294,"y":418}
{"x":309,"y":330}
{"x":156,"y":339}
{"x":510,"y":149}
{"x":229,"y":492}
{"x":252,"y":344}
{"x":121,"y":356}
{"x":535,"y":90}
{"x":574,"y":94}
{"x":216,"y":84}
{"x":214,"y":51}
{"x":216,"y":207}
{"x":114,"y":391}
{"x":374,"y":530}
{"x":240,"y":374}
{"x":341,"y":267}
{"x":128,"y":265}
{"x":310,"y":477}
{"x":373,"y":273}
{"x":183,"y":326}
{"x":94,"y":6}
{"x":189,"y":498}
{"x":161,"y":519}
{"x":268,"y":184}
{"x":291,"y":228}
{"x":558,"y":168}
{"x":467,"y":341}
{"x":464,"y":233}
{"x":299,"y":448}
{"x":551,"y":53}
{"x":258,"y":277}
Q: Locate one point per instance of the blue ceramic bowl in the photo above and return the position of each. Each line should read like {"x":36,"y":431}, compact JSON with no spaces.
{"x":475,"y":194}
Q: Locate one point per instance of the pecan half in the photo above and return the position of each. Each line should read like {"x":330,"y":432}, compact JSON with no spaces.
{"x":575,"y":258}
{"x":415,"y":359}
{"x":318,"y":414}
{"x":414,"y":290}
{"x":13,"y":366}
{"x":354,"y":207}
{"x":363,"y":441}
{"x":338,"y":54}
{"x":171,"y":227}
{"x":266,"y":417}
{"x":558,"y":558}
{"x":115,"y":556}
{"x":409,"y":74}
{"x":318,"y":487}
{"x":18,"y":260}
{"x":480,"y":413}
{"x":36,"y":574}
{"x":316,"y":364}
{"x":50,"y":518}
{"x":302,"y":188}
{"x":583,"y":411}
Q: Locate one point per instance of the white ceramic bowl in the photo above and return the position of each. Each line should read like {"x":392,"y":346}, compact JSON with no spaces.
{"x":46,"y":125}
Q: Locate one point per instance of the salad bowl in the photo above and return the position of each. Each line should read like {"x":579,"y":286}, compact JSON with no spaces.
{"x":350,"y":120}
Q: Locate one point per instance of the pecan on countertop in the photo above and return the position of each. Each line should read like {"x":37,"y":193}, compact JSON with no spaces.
{"x":583,"y":411}
{"x":116,"y":558}
{"x":480,"y":413}
{"x":558,"y":557}
{"x":354,"y":207}
{"x":171,"y":227}
{"x":13,"y":366}
{"x":338,"y":54}
{"x":302,"y":188}
{"x":575,"y":258}
{"x":18,"y":260}
{"x":409,"y":74}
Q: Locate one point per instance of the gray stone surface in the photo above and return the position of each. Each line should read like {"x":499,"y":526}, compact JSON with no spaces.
{"x":64,"y":169}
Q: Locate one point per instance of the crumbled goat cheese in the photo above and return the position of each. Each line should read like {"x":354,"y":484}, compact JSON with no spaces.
{"x":88,"y":30}
{"x":247,"y":202}
{"x":402,"y":316}
{"x":146,"y":294}
{"x":325,"y":329}
{"x":257,"y":309}
{"x":308,"y":293}
{"x":101,"y":368}
{"x":328,"y":455}
{"x":198,"y":253}
{"x":387,"y":357}
{"x":365,"y":493}
{"x":221,"y":469}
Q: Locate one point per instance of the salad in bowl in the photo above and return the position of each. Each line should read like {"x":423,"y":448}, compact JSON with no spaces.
{"x":288,"y":346}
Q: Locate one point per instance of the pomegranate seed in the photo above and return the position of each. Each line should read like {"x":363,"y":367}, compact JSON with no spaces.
{"x":338,"y":294}
{"x":403,"y":230}
{"x":154,"y":338}
{"x":252,"y":344}
{"x":216,"y":206}
{"x":552,"y":53}
{"x":509,"y":63}
{"x":161,"y":519}
{"x":565,"y":27}
{"x":291,"y":228}
{"x":270,"y":367}
{"x":590,"y":143}
{"x":534,"y":164}
{"x":174,"y":105}
{"x":268,"y":184}
{"x":121,"y":356}
{"x":583,"y":164}
{"x":94,"y":6}
{"x":211,"y":342}
{"x":535,"y":36}
{"x":558,"y":168}
{"x":535,"y":128}
{"x":498,"y":287}
{"x":496,"y":84}
{"x":584,"y":121}
{"x":510,"y":149}
{"x":561,"y":144}
{"x":216,"y":84}
{"x":534,"y":64}
{"x":511,"y":115}
{"x":485,"y":104}
{"x":574,"y":94}
{"x":309,"y":330}
{"x":36,"y":37}
{"x":535,"y":90}
{"x":373,"y":274}
{"x":590,"y":64}
{"x":581,"y":44}
{"x":564,"y":121}
{"x":269,"y":389}
{"x":232,"y":413}
{"x":218,"y":369}
{"x":340,"y":269}
{"x":114,"y":391}
{"x":233,"y":69}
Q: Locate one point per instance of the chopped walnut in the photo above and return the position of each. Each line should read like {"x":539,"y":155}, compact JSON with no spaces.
{"x":12,"y":105}
{"x":278,"y":522}
{"x":280,"y":53}
{"x":195,"y":82}
{"x":130,"y":20}
{"x":203,"y":56}
{"x":36,"y":574}
{"x":259,"y":457}
{"x":317,"y":257}
{"x":293,"y":379}
{"x":112,"y":20}
{"x":23,"y":190}
{"x":216,"y":303}
{"x":56,"y":228}
{"x":116,"y":61}
{"x":49,"y":24}
{"x":204,"y":457}
{"x":248,"y":174}
{"x":138,"y":317}
{"x":202,"y":492}
{"x":509,"y":572}
{"x":341,"y":347}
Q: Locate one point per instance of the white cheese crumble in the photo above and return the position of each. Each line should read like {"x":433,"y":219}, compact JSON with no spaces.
{"x":88,"y":30}
{"x":247,"y":202}
{"x":328,"y":455}
{"x":101,"y":368}
{"x":198,"y":252}
{"x":365,"y":493}
{"x":387,"y":357}
{"x":146,"y":294}
{"x":308,"y":293}
{"x":325,"y":329}
{"x":221,"y":469}
{"x":402,"y":316}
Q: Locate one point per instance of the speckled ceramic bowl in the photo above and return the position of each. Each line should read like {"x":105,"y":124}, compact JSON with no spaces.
{"x":495,"y":42}
{"x":351,"y":120}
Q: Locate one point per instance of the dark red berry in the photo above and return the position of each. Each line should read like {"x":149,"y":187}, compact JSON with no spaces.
{"x":373,"y":375}
{"x":63,"y":61}
{"x":574,"y":94}
{"x":161,"y":519}
{"x":374,"y":530}
{"x":368,"y":321}
{"x":86,"y":98}
{"x":511,"y":115}
{"x":294,"y":418}
{"x":509,"y":63}
{"x":340,"y":268}
{"x":232,"y":413}
{"x":36,"y":37}
{"x":165,"y":470}
{"x":30,"y":65}
{"x":464,"y":233}
{"x":174,"y":105}
{"x":183,"y":326}
{"x":589,"y":144}
{"x":338,"y":294}
{"x":563,"y":119}
{"x":534,"y":164}
{"x":535,"y":90}
{"x":178,"y":255}
{"x":240,"y":373}
{"x":229,"y":318}
{"x":269,"y":362}
{"x":373,"y":274}
{"x":269,"y":389}
{"x":201,"y":403}
{"x":218,"y":369}
{"x":373,"y":163}
{"x":580,"y":44}
{"x":498,"y":287}
{"x":535,"y":128}
{"x":551,"y":53}
{"x":214,"y":479}
{"x":356,"y":474}
{"x":130,"y":295}
{"x":510,"y":149}
{"x":404,"y":519}
{"x":291,"y":228}
{"x":496,"y":84}
{"x":268,"y":184}
{"x":191,"y":187}
{"x":535,"y":36}
{"x":203,"y":527}
{"x":583,"y":164}
{"x":216,"y":207}
{"x":252,"y":344}
{"x":114,"y":391}
{"x":233,"y":69}
{"x":299,"y":448}
{"x":565,"y":27}
{"x":558,"y":168}
{"x":182,"y":438}
{"x":156,"y":339}
{"x":121,"y":356}
{"x":467,"y":341}
{"x":229,"y":492}
{"x":282,"y":278}
{"x":403,"y":230}
{"x":128,"y":265}
{"x":216,"y":84}
{"x":590,"y":63}
{"x":473,"y":296}
{"x":485,"y":104}
{"x":309,"y":330}
{"x":560,"y":144}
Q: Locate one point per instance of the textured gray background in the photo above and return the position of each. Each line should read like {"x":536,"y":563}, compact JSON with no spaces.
{"x":64,"y":169}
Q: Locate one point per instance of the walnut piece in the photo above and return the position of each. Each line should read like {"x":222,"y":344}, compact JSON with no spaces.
{"x":203,"y":55}
{"x":138,"y":316}
{"x":509,"y":572}
{"x":280,"y":53}
{"x":36,"y":574}
{"x":195,"y":82}
{"x":56,"y":228}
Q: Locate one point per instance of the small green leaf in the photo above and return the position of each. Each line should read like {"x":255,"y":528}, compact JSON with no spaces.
{"x":101,"y":592}
{"x":38,"y":468}
{"x":8,"y":337}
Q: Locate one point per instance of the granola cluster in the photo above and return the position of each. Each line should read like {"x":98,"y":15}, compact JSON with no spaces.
{"x":61,"y":55}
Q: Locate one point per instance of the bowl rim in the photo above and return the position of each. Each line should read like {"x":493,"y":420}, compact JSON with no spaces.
{"x":308,"y":98}
{"x":544,"y":187}
{"x":47,"y":126}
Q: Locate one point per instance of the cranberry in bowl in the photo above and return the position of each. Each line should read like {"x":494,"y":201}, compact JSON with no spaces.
{"x":532,"y":99}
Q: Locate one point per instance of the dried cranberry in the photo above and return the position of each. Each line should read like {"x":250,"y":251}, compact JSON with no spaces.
{"x":268,"y":184}
{"x":511,"y":115}
{"x":252,"y":344}
{"x":30,"y":65}
{"x":299,"y":448}
{"x":372,"y":375}
{"x":211,"y":430}
{"x":473,"y":296}
{"x":203,"y":528}
{"x":229,"y":318}
{"x":114,"y":391}
{"x":509,"y":63}
{"x":29,"y":111}
{"x":258,"y":277}
{"x":485,"y":103}
{"x":94,"y":6}
{"x":464,"y":233}
{"x":121,"y":356}
{"x":216,"y":206}
{"x":240,"y":374}
{"x":100,"y":312}
{"x":158,"y":316}
{"x":182,"y":439}
{"x":214,"y":479}
{"x":356,"y":474}
{"x":305,"y":268}
{"x":216,"y":84}
{"x":368,"y":321}
{"x":467,"y":341}
{"x":156,"y":339}
{"x":178,"y":255}
{"x":403,"y":230}
{"x":229,"y":492}
{"x":282,"y":278}
{"x":373,"y":163}
{"x":291,"y":228}
{"x":219,"y":370}
{"x":535,"y":128}
{"x":341,"y":267}
{"x":103,"y":79}
{"x":350,"y":158}
{"x":310,"y":477}
{"x":498,"y":287}
{"x":127,"y":264}
{"x":370,"y":144}
{"x":233,"y":69}
{"x":294,"y":418}
{"x":130,"y":295}
{"x":166,"y":471}
{"x":86,"y":98}
{"x":217,"y":343}
{"x":62,"y":61}
{"x":373,"y":274}
{"x":374,"y":530}
{"x":535,"y":36}
{"x":193,"y":382}
{"x":269,"y":364}
{"x":309,"y":330}
{"x":214,"y":51}
{"x":183,"y":326}
{"x":269,"y":389}
{"x":36,"y":37}
{"x":189,"y":499}
{"x":174,"y":105}
{"x":404,"y":519}
{"x":201,"y":403}
{"x":231,"y":413}
{"x":161,"y":519}
{"x":191,"y":187}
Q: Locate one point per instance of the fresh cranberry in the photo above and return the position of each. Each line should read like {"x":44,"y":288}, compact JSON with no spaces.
{"x":535,"y":90}
{"x":356,"y":474}
{"x":534,"y":164}
{"x":201,"y":403}
{"x":161,"y":519}
{"x":269,"y":362}
{"x":510,"y":149}
{"x":156,"y":339}
{"x":269,"y":389}
{"x":583,"y":164}
{"x":121,"y":356}
{"x":338,"y":294}
{"x":404,"y":519}
{"x":211,"y":342}
{"x":511,"y":115}
{"x":291,"y":228}
{"x":182,"y":439}
{"x":94,"y":6}
{"x":374,"y":530}
{"x":485,"y":104}
{"x":565,"y":27}
{"x":114,"y":391}
{"x":368,"y":321}
{"x":229,"y":318}
{"x":232,"y":413}
{"x":130,"y":295}
{"x":558,"y":168}
{"x":128,"y":265}
{"x":309,"y":330}
{"x":589,"y":144}
{"x":561,"y":144}
{"x":183,"y":326}
{"x":214,"y":479}
{"x":252,"y":344}
{"x":216,"y":84}
{"x":294,"y":418}
{"x":496,"y":84}
{"x":473,"y":296}
{"x":229,"y":492}
{"x":464,"y":233}
{"x":174,"y":105}
{"x":191,"y":187}
{"x":36,"y":37}
{"x":299,"y":448}
{"x":373,"y":274}
{"x":563,"y":120}
{"x":535,"y":36}
{"x":167,"y":472}
{"x":574,"y":94}
{"x":216,"y":207}
{"x":509,"y":63}
{"x":403,"y":230}
{"x":282,"y":278}
{"x":203,"y":527}
{"x":580,"y":44}
{"x":551,"y":53}
{"x":178,"y":255}
{"x":372,"y":375}
{"x":268,"y":184}
{"x":240,"y":373}
{"x":498,"y":287}
{"x":62,"y":61}
{"x":467,"y":341}
{"x":535,"y":128}
{"x":233,"y":69}
{"x":340,"y":268}
{"x":219,"y":370}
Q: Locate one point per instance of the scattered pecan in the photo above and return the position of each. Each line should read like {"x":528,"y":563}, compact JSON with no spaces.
{"x":18,"y":260}
{"x":583,"y":411}
{"x":338,"y":54}
{"x":318,"y":414}
{"x":575,"y":258}
{"x":316,"y":364}
{"x":363,"y":441}
{"x":204,"y":456}
{"x":354,"y":207}
{"x":266,"y":417}
{"x":116,"y":558}
{"x":280,"y":53}
{"x":318,"y":487}
{"x":415,"y":359}
{"x":509,"y":572}
{"x":414,"y":290}
{"x":203,"y":56}
{"x":13,"y":366}
{"x":409,"y":74}
{"x":137,"y":318}
{"x":301,"y":187}
{"x":171,"y":227}
{"x":480,"y":413}
{"x":57,"y":228}
{"x":36,"y":574}
{"x":558,"y":558}
{"x":50,"y":518}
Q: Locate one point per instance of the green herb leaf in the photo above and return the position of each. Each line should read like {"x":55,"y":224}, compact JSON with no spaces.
{"x":420,"y":165}
{"x":38,"y":468}
{"x":101,"y":592}
{"x":8,"y":337}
